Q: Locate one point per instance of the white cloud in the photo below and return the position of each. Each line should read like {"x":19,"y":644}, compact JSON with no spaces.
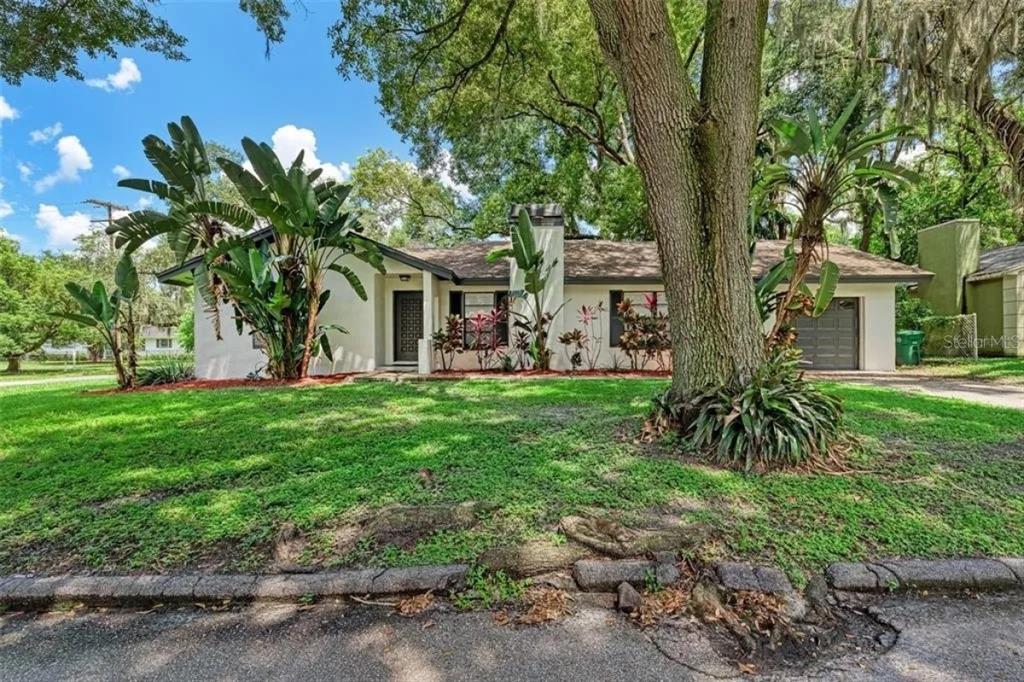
{"x":125,"y":77}
{"x":73,"y":159}
{"x":120,"y":171}
{"x":289,"y":140}
{"x":9,"y":235}
{"x":45,"y":134}
{"x":7,"y":112}
{"x":5,"y":209}
{"x":61,"y":230}
{"x":144,"y":203}
{"x":25,"y":170}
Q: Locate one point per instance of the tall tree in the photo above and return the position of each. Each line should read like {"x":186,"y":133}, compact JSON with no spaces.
{"x":966,"y":54}
{"x":30,"y":288}
{"x":694,"y":149}
{"x":398,"y":203}
{"x":46,"y":38}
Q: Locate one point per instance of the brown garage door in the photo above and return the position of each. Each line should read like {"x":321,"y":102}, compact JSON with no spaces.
{"x":831,"y":341}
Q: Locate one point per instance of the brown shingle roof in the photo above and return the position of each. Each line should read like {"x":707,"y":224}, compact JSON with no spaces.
{"x":997,"y":261}
{"x":601,"y":260}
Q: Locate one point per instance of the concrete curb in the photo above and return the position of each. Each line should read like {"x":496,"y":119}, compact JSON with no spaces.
{"x":940,"y":575}
{"x":597,"y":580}
{"x":149,"y":589}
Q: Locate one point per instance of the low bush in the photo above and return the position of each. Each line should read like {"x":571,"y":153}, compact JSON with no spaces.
{"x":773,"y":421}
{"x":168,"y":370}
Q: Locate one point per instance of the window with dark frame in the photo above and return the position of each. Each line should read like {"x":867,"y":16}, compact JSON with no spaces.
{"x":615,"y":297}
{"x":469,"y":303}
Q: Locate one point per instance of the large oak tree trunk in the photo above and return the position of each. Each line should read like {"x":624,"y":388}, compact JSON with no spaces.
{"x":13,"y":364}
{"x":695,"y":155}
{"x":1006,"y":128}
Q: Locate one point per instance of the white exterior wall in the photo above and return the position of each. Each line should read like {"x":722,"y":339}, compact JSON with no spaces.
{"x":360,"y":350}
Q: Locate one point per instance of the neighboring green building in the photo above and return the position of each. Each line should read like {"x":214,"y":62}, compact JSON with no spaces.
{"x":989,"y":284}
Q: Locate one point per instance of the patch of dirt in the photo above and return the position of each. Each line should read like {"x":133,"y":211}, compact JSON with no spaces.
{"x":753,"y":630}
{"x":534,"y":557}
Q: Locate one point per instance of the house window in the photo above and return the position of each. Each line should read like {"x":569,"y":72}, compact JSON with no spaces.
{"x":638,"y":299}
{"x":470,"y":303}
{"x":163,"y":344}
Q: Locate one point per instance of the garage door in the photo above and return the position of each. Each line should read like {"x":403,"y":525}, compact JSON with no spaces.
{"x":831,"y":341}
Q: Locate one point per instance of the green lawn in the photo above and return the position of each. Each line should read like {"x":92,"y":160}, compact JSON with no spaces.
{"x":34,"y":370}
{"x":204,"y":479}
{"x":1002,"y":370}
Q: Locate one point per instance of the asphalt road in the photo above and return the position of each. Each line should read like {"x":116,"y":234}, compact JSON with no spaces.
{"x":938,"y":639}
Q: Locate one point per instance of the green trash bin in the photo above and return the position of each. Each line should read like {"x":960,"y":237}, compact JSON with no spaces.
{"x":908,"y":347}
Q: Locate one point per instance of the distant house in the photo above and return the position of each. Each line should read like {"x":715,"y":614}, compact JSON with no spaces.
{"x":153,"y":340}
{"x":158,"y":340}
{"x":424,"y":285}
{"x":989,"y":284}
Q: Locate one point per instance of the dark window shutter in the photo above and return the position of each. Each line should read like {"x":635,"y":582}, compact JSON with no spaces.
{"x":615,"y":327}
{"x":455,"y":303}
{"x":501,"y":302}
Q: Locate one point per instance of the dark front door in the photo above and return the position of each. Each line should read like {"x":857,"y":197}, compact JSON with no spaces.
{"x":832,"y":340}
{"x":408,"y":325}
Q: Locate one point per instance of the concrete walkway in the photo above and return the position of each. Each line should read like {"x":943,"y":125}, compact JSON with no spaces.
{"x":935,"y":638}
{"x":972,"y":390}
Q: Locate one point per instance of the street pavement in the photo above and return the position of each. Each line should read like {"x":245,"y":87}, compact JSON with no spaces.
{"x":935,"y":639}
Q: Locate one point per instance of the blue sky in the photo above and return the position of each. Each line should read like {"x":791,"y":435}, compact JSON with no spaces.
{"x":83,"y":132}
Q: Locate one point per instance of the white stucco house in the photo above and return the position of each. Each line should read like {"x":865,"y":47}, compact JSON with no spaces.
{"x":392,"y":328}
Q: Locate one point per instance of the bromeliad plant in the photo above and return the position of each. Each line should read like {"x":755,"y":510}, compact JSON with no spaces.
{"x":535,"y":271}
{"x":112,"y":315}
{"x":824,"y":170}
{"x":774,"y":420}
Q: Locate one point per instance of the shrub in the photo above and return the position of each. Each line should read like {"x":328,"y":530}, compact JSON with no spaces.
{"x":910,"y":310}
{"x":645,"y":336}
{"x":484,"y":339}
{"x":168,"y":370}
{"x":774,"y":420}
{"x":447,"y":341}
{"x":575,"y":341}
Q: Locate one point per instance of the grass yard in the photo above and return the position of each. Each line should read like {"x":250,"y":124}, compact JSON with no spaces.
{"x":1000,"y":370}
{"x":205,"y":479}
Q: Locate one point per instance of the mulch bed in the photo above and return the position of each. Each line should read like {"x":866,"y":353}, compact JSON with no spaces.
{"x":213,"y":384}
{"x":552,"y":374}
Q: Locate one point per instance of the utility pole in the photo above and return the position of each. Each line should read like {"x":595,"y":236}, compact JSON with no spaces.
{"x":109,"y":220}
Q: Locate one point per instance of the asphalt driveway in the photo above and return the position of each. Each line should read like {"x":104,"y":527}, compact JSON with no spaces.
{"x":934,"y":638}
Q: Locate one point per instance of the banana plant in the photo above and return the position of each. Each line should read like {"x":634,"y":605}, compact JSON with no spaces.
{"x":313,"y":232}
{"x":531,"y":262}
{"x":769,"y":298}
{"x":192,"y":222}
{"x":112,"y":315}
{"x":823,"y":169}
